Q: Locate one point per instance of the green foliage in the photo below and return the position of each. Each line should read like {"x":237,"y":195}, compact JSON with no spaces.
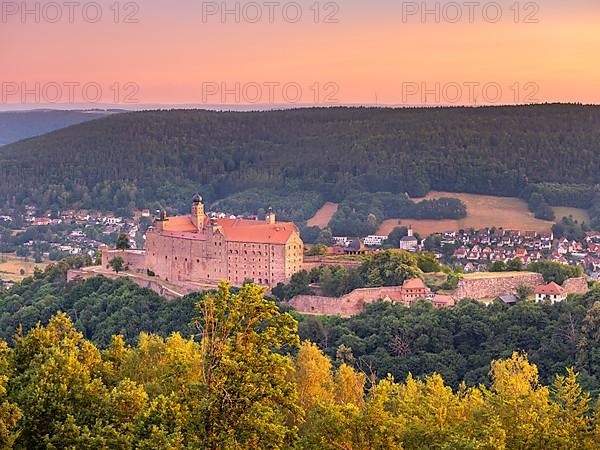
{"x":361,"y":214}
{"x":123,"y":242}
{"x":138,"y":159}
{"x":317,"y":250}
{"x":570,"y":228}
{"x":459,"y":343}
{"x":428,"y":263}
{"x":117,"y":263}
{"x":298,"y":285}
{"x":63,"y":392}
{"x":99,"y":307}
{"x":389,"y":268}
{"x":236,"y":384}
{"x":452,"y":281}
{"x":552,"y":271}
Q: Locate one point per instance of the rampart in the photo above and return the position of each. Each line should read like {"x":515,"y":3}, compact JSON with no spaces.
{"x":491,"y":286}
{"x":345,"y":306}
{"x":156,"y":286}
{"x":135,"y":260}
{"x":477,"y":287}
{"x":576,"y":286}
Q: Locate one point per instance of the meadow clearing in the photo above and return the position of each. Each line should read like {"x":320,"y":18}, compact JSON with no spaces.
{"x":11,"y":266}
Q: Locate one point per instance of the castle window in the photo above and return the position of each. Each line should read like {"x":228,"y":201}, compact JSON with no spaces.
{"x":197,"y":260}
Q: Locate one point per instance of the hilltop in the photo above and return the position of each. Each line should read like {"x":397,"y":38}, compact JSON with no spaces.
{"x":18,"y":125}
{"x":325,"y":154}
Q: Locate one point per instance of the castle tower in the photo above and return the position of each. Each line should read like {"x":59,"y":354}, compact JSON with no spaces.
{"x":410,"y":231}
{"x":198,"y":212}
{"x":270,"y":217}
{"x":214,"y":226}
{"x":162,"y":218}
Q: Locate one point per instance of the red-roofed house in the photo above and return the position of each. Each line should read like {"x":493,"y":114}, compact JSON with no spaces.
{"x":413,"y":290}
{"x":442,"y":301}
{"x":552,"y":292}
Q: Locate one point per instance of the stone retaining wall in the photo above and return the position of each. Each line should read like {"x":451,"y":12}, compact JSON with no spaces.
{"x":576,"y":286}
{"x":135,"y":260}
{"x":492,"y":287}
{"x":345,"y":306}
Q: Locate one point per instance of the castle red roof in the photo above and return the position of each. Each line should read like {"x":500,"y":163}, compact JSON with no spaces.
{"x":234,"y":230}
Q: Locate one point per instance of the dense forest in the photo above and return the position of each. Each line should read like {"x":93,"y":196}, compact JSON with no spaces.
{"x":458,"y":343}
{"x":162,"y":157}
{"x":246,"y":380}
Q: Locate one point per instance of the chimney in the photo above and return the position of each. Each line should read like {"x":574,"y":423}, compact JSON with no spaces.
{"x":270,"y":217}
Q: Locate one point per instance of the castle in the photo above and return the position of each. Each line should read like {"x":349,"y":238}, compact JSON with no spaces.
{"x":204,"y":250}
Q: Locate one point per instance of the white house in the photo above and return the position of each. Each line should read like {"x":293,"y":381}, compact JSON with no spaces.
{"x":374,"y":241}
{"x":409,"y":243}
{"x":552,"y":292}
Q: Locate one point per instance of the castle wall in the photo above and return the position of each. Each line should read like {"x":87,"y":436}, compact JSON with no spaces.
{"x":492,"y":287}
{"x":310,"y":262}
{"x":135,"y":260}
{"x":576,"y":286}
{"x":176,"y":259}
{"x":345,"y":306}
{"x":294,"y":256}
{"x":169,"y":294}
{"x":476,"y":288}
{"x":262,"y":263}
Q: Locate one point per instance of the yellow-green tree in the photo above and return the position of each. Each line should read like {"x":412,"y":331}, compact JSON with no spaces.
{"x":313,"y":376}
{"x":245,"y":398}
{"x":10,"y":413}
{"x":349,"y":386}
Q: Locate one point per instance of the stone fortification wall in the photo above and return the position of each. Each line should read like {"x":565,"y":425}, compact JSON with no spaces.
{"x":135,"y":260}
{"x":476,"y":288}
{"x":576,"y":286}
{"x":345,"y":306}
{"x":492,"y":287}
{"x":156,"y":286}
{"x":316,"y":261}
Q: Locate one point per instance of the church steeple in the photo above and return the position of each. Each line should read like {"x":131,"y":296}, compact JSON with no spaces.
{"x":198,"y":212}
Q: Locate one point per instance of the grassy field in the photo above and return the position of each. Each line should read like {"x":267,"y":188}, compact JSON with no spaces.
{"x":581,"y":215}
{"x":11,"y":266}
{"x":323,"y":216}
{"x":482,"y":211}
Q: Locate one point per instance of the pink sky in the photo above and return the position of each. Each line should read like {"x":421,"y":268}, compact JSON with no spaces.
{"x":172,"y":57}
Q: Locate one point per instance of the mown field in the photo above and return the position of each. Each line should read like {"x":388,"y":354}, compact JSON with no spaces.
{"x":581,"y":215}
{"x":482,"y":211}
{"x":323,"y":216}
{"x":11,"y":267}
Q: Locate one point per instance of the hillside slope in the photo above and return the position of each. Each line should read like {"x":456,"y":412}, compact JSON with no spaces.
{"x":18,"y":125}
{"x":128,"y":160}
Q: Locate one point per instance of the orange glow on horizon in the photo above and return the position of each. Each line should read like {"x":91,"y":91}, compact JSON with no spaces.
{"x":170,"y":61}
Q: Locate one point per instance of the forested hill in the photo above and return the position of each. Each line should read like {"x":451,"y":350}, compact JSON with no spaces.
{"x":133,"y":159}
{"x":17,"y":125}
